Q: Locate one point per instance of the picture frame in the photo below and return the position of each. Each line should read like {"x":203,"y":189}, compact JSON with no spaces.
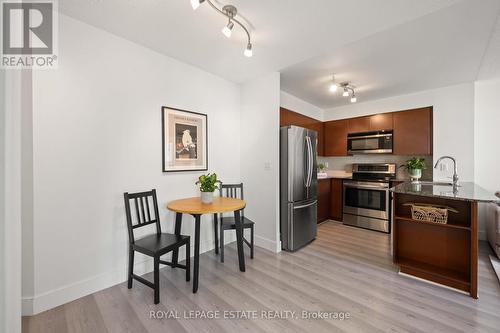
{"x":184,"y":140}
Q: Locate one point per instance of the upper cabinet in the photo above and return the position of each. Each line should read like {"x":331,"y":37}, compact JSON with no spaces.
{"x":377,"y":122}
{"x":360,"y":124}
{"x":288,"y":118}
{"x":413,"y":132}
{"x":336,"y":137}
{"x":381,"y":122}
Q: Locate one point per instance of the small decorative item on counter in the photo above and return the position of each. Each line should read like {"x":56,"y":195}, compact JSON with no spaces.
{"x":430,"y":213}
{"x":322,"y":171}
{"x":414,"y":167}
{"x":208,"y":184}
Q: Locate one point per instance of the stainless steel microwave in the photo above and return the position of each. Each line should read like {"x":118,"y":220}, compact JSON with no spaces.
{"x":378,"y":142}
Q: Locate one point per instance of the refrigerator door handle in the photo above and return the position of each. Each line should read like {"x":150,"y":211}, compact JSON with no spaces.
{"x":306,"y":205}
{"x":306,"y":166}
{"x":309,"y":161}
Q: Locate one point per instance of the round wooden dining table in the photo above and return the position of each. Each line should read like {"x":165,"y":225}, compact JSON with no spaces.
{"x":196,"y":208}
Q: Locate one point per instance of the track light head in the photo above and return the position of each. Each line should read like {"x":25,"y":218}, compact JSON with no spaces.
{"x":248,"y":51}
{"x":228,"y":29}
{"x":196,"y":3}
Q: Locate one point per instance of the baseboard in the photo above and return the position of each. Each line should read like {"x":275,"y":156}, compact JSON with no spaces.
{"x":268,"y":244}
{"x":56,"y":297}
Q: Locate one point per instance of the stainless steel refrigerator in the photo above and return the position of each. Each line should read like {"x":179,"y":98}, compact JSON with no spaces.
{"x":298,"y":186}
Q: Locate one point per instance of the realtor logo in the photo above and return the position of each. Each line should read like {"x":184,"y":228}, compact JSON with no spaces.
{"x":28,"y":34}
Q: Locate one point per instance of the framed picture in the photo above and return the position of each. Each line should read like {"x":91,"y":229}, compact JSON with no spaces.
{"x":185,"y":140}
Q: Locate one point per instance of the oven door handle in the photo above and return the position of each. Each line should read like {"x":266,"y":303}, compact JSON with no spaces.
{"x":367,"y":187}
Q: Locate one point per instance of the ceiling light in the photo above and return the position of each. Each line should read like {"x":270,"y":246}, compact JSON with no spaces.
{"x":248,"y":51}
{"x":334,"y":85}
{"x":229,"y":11}
{"x":345,"y":93}
{"x":353,"y":99}
{"x":228,"y":29}
{"x":196,"y":3}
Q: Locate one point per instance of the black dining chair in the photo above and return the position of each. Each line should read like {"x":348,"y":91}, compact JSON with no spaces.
{"x":155,"y":245}
{"x":228,"y":222}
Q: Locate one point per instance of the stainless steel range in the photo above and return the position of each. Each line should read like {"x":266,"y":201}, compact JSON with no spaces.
{"x":366,"y":196}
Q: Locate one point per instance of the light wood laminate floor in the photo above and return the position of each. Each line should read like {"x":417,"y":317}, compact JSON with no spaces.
{"x":345,"y":269}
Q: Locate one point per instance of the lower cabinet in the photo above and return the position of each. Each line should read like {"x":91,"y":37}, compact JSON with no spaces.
{"x":330,"y":199}
{"x":336,"y":199}
{"x":323,"y":200}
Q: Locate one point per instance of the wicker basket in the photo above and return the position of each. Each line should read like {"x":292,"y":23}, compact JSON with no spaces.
{"x":430,"y":213}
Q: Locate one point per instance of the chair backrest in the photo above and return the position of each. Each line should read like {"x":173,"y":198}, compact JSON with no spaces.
{"x":232,"y":191}
{"x":146,"y":211}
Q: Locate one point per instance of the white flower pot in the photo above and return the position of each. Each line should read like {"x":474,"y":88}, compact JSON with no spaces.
{"x":207,"y":197}
{"x":415,"y":175}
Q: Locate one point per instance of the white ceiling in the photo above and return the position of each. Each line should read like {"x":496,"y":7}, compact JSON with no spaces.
{"x":285,"y":32}
{"x":442,"y":48}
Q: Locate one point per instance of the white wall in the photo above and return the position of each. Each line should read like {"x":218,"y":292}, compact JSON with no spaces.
{"x":12,"y":108}
{"x":97,"y":134}
{"x":453,"y":121}
{"x":260,"y":157}
{"x":3,"y":306}
{"x":487,"y":136}
{"x":296,"y":104}
{"x":486,"y":150}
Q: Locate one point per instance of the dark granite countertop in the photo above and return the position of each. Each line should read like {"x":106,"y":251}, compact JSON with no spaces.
{"x":465,"y":191}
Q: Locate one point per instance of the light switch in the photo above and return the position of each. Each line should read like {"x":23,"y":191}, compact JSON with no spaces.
{"x":267,"y":166}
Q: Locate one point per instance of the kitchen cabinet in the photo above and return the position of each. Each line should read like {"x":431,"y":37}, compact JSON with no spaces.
{"x":323,"y":199}
{"x":381,"y":122}
{"x":360,"y":124}
{"x":318,"y":127}
{"x":288,"y":118}
{"x":336,"y":199}
{"x":413,"y":132}
{"x":335,"y":137}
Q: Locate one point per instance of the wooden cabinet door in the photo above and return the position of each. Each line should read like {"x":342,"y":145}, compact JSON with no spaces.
{"x":335,"y":138}
{"x":336,"y":199}
{"x":413,"y":132}
{"x":323,"y":200}
{"x":318,"y":127}
{"x":357,"y":125}
{"x":380,"y":122}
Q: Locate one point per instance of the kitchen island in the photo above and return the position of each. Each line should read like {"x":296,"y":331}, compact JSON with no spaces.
{"x":443,"y":253}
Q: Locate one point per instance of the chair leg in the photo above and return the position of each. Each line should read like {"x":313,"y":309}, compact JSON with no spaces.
{"x":157,"y":279}
{"x":216,"y":235}
{"x":188,"y":261}
{"x":130,"y":266}
{"x":221,"y":243}
{"x":251,"y":242}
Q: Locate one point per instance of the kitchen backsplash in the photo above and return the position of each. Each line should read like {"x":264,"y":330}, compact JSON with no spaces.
{"x":345,"y":163}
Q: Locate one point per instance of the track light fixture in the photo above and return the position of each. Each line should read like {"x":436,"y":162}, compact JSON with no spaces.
{"x":347,"y":89}
{"x":230,"y":12}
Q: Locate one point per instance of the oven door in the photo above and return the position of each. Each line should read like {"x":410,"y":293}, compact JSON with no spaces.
{"x":368,"y":199}
{"x":369,"y":143}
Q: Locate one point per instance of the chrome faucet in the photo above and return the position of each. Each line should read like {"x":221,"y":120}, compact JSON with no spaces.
{"x":455,"y":175}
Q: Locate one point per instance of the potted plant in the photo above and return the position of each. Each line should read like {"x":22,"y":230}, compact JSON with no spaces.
{"x":414,"y":167}
{"x":321,"y":167}
{"x":208,"y":184}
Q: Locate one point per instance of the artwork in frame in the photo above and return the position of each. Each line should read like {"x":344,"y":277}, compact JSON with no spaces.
{"x":185,"y":140}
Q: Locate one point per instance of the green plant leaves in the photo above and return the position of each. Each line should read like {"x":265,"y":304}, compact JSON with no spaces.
{"x":208,"y":182}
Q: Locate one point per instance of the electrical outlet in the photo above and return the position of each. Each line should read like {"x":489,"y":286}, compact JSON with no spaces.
{"x":267,"y":166}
